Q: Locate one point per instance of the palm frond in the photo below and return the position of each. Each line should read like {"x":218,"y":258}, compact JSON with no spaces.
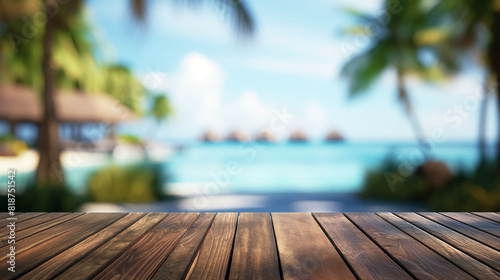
{"x":241,"y":17}
{"x":364,"y":69}
{"x":236,"y":10}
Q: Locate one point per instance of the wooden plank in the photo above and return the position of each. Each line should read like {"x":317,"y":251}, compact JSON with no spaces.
{"x":476,"y":221}
{"x":19,"y":218}
{"x":22,"y":225}
{"x":4,"y":215}
{"x":470,"y":246}
{"x":373,"y":263}
{"x":305,"y":251}
{"x":92,"y":264}
{"x":489,"y":215}
{"x":464,"y":229}
{"x":41,"y":227}
{"x":459,"y":258}
{"x":254,"y":253}
{"x":178,"y":262}
{"x":144,"y":257}
{"x":212,"y":259}
{"x":52,"y":267}
{"x":55,"y":243}
{"x":407,"y":251}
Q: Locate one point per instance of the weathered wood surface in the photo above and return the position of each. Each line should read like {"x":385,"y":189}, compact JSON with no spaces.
{"x":253,"y":246}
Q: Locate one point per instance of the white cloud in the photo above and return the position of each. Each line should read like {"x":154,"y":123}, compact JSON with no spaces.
{"x":306,"y":68}
{"x":196,"y":92}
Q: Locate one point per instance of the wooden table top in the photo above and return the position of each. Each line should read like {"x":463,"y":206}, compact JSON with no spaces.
{"x":252,"y":246}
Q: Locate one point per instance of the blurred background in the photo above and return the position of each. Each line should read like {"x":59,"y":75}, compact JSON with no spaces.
{"x":231,"y":105}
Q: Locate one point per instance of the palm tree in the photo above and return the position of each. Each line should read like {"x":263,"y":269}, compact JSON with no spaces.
{"x":476,"y":29}
{"x":121,"y":84}
{"x":161,"y":108}
{"x":392,"y":46}
{"x":49,"y":169}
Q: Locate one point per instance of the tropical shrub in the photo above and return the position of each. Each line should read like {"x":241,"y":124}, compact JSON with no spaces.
{"x":134,"y":184}
{"x":476,"y":191}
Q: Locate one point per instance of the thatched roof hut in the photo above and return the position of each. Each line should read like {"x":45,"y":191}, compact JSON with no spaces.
{"x":210,"y":136}
{"x":298,"y":136}
{"x":334,"y":136}
{"x":20,"y":103}
{"x":237,"y":136}
{"x":265,"y":136}
{"x":81,"y":107}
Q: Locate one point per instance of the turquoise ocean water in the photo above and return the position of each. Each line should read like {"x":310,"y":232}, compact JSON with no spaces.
{"x":300,"y":167}
{"x":253,"y":167}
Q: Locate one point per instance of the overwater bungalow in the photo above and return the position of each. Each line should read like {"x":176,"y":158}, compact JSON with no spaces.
{"x":334,"y":136}
{"x":237,"y":136}
{"x":265,"y":136}
{"x":210,"y":137}
{"x":298,"y":136}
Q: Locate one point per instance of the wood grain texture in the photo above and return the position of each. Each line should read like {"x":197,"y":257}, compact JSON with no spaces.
{"x":304,"y":250}
{"x":178,"y":262}
{"x":19,"y":218}
{"x":41,"y":227}
{"x":476,"y":221}
{"x":27,"y":242}
{"x":25,"y":224}
{"x":470,"y":246}
{"x":35,"y":255}
{"x":52,"y":267}
{"x":365,"y":257}
{"x":464,"y":229}
{"x":4,"y":215}
{"x":254,"y":253}
{"x":459,"y":258}
{"x":489,"y":215}
{"x":419,"y":260}
{"x":143,"y":258}
{"x":212,"y":260}
{"x":254,"y":246}
{"x":97,"y":260}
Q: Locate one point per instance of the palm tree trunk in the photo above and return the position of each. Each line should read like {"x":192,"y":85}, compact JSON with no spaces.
{"x":49,"y":171}
{"x":482,"y":126}
{"x":417,"y":128}
{"x":12,"y":128}
{"x":498,"y":122}
{"x":494,"y":57}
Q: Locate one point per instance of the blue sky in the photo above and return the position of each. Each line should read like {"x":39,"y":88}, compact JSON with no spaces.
{"x":217,"y":82}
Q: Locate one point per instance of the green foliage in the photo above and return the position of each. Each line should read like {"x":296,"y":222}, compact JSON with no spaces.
{"x":479,"y":191}
{"x":47,"y":199}
{"x":129,"y":139}
{"x":7,"y":138}
{"x":134,"y":184}
{"x":121,"y":84}
{"x":161,"y":108}
{"x":385,"y":183}
{"x":11,"y":145}
{"x":397,"y":40}
{"x":468,"y":26}
{"x":73,"y":61}
{"x":73,"y":58}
